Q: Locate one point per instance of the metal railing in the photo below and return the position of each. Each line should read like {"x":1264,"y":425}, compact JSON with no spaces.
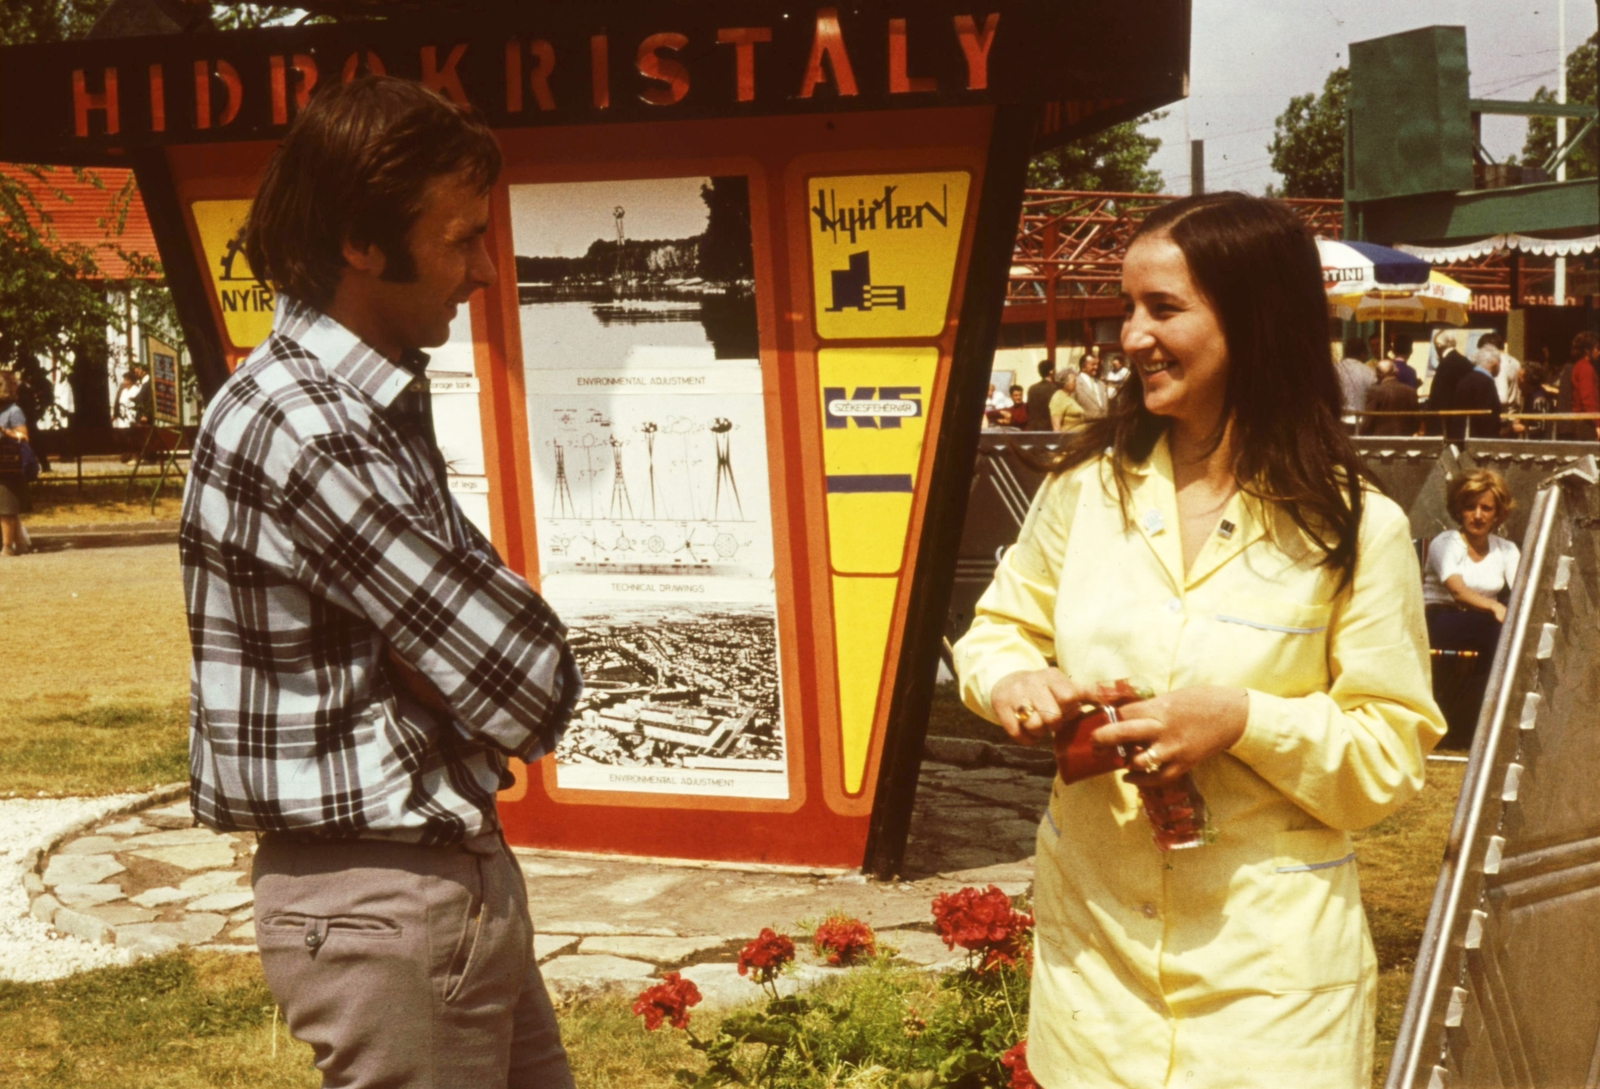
{"x":1504,"y":989}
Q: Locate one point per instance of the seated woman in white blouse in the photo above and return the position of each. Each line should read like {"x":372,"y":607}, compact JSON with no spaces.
{"x":1469,"y":572}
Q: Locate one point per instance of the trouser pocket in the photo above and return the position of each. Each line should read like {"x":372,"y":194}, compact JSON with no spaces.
{"x":469,"y":941}
{"x":312,"y":933}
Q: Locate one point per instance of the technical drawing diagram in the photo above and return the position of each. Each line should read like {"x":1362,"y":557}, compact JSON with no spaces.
{"x":853,"y":288}
{"x":653,"y":495}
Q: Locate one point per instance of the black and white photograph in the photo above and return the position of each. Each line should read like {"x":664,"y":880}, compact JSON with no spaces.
{"x":677,"y":698}
{"x":651,"y":498}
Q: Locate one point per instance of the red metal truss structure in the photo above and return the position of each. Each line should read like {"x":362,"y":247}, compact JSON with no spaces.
{"x":1070,"y":244}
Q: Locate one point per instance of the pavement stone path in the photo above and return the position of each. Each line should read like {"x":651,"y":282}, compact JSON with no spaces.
{"x":151,"y":882}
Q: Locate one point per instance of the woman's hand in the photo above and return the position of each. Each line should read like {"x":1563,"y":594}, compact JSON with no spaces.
{"x":1474,"y":600}
{"x":1031,"y":705}
{"x":1177,"y":730}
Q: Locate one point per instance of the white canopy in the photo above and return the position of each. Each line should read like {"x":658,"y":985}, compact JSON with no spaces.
{"x":1501,"y":243}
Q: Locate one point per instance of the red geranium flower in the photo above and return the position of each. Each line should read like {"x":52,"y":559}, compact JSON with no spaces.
{"x":670,"y":999}
{"x":983,"y":923}
{"x":844,"y":939}
{"x":1016,"y":1061}
{"x":767,"y":954}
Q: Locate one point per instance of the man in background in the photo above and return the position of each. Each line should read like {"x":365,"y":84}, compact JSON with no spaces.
{"x":1476,"y":391}
{"x":1508,"y":380}
{"x":1401,"y":355}
{"x":1039,"y":394}
{"x":1355,"y":377}
{"x":1453,"y":367}
{"x":1579,"y":390}
{"x":1389,"y":394}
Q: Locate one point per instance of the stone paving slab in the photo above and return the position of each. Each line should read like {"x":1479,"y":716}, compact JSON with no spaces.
{"x":81,"y":895}
{"x":80,"y":869}
{"x":655,"y":950}
{"x":546,"y":946}
{"x":153,"y":882}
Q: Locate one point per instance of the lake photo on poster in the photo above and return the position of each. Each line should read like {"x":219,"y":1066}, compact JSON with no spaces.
{"x":563,"y":332}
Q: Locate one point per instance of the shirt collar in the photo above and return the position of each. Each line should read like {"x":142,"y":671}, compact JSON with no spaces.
{"x":1483,"y":372}
{"x":346,"y":356}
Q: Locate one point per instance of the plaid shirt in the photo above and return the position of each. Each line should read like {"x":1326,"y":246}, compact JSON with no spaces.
{"x":316,"y":533}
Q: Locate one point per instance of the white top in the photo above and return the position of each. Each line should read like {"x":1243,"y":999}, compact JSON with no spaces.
{"x":1448,"y":555}
{"x":1507,"y":381}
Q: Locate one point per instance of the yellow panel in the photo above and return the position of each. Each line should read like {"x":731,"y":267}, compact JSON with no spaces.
{"x":862,"y":611}
{"x":883,"y":252}
{"x":874,"y":420}
{"x":246,"y":305}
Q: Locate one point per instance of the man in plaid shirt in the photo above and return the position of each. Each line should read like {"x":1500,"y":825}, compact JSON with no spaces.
{"x":364,"y":664}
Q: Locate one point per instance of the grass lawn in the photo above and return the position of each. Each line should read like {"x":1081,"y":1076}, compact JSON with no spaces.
{"x":97,"y":671}
{"x":57,"y":501}
{"x":194,"y":1020}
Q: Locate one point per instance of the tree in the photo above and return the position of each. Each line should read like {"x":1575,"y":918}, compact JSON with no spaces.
{"x":1308,"y":141}
{"x":1541,"y":140}
{"x":52,"y":295}
{"x":1113,"y":160}
{"x":23,"y":21}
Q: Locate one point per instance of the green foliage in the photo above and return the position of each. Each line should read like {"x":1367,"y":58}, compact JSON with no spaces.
{"x":1113,"y":160}
{"x":235,"y":16}
{"x":882,"y":1026}
{"x":1541,"y":140}
{"x":1308,"y":141}
{"x":23,"y":21}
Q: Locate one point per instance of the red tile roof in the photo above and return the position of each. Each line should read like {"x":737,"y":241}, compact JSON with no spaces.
{"x":81,"y":212}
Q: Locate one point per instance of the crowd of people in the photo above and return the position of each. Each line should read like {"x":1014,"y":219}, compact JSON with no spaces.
{"x":1062,"y":399}
{"x":1381,"y":392}
{"x":1490,"y":390}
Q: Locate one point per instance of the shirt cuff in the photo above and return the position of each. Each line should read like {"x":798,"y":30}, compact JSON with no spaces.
{"x":981,"y":679}
{"x":1271,"y":729}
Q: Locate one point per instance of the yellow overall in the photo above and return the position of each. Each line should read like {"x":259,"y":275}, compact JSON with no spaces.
{"x":1246,"y":962}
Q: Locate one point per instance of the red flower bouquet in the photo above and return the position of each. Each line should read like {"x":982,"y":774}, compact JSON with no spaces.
{"x":1016,"y":1061}
{"x":983,"y":923}
{"x":668,"y":1000}
{"x":844,"y":940}
{"x":766,"y":956}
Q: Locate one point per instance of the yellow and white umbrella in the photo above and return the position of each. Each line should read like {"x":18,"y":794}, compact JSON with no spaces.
{"x":1441,"y":299}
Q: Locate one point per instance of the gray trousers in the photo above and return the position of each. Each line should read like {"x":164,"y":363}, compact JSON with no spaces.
{"x":407,"y":967}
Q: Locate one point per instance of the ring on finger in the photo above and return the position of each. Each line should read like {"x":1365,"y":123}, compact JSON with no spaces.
{"x":1149,"y":762}
{"x":1026,"y":711}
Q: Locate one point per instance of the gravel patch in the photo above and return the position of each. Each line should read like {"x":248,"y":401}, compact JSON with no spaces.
{"x":29,"y":951}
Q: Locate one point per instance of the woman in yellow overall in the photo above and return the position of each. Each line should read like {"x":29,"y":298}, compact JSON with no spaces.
{"x":1212,"y":540}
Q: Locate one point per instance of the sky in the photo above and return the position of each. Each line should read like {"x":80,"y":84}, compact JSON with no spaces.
{"x":1249,"y":57}
{"x":562,"y":219}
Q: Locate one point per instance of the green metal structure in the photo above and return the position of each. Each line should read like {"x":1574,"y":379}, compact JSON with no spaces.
{"x":1415,"y":167}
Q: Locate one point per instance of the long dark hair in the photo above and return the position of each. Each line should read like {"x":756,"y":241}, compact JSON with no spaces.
{"x":1258,"y":267}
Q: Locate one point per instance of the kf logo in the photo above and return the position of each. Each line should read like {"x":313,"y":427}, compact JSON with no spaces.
{"x":871,"y":406}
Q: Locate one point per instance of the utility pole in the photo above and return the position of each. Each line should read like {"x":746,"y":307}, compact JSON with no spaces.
{"x":1560,"y":290}
{"x":1197,"y":167}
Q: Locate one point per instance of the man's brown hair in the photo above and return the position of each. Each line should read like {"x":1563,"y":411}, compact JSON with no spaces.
{"x":355,"y":166}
